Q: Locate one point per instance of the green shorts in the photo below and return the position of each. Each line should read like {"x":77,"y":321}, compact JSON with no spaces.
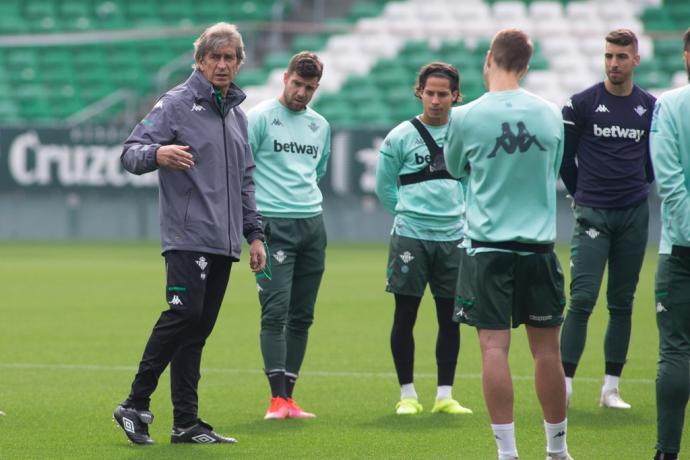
{"x":413,"y":263}
{"x":673,"y":303}
{"x":496,"y":289}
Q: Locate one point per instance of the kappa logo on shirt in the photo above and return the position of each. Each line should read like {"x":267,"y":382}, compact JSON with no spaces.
{"x":640,"y":110}
{"x":276,"y":122}
{"x":569,"y":104}
{"x":660,"y":308}
{"x":510,"y":142}
{"x":197,"y":108}
{"x":602,"y":108}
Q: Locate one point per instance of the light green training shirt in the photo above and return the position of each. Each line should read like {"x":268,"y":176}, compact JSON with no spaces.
{"x":291,"y":151}
{"x":670,"y":148}
{"x":510,"y":145}
{"x":430,"y":210}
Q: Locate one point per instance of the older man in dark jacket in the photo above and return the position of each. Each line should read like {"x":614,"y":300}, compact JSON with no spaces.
{"x":196,"y":138}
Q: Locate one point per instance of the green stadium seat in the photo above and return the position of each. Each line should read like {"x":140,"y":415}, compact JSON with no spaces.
{"x":8,"y":110}
{"x":653,"y":79}
{"x":89,"y":57}
{"x":309,"y":43}
{"x":251,"y":77}
{"x":176,"y":12}
{"x":365,"y":10}
{"x":38,"y":9}
{"x":21,"y":57}
{"x":11,"y":25}
{"x":276,"y":60}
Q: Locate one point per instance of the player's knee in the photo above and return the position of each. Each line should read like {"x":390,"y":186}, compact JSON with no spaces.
{"x":581,"y":306}
{"x":273,"y":320}
{"x":620,"y":311}
{"x":300,"y":323}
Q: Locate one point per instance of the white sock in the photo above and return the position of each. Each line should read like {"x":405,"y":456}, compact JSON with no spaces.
{"x":556,"y":437}
{"x":610,"y":383}
{"x":407,"y":391}
{"x":444,"y":392}
{"x":568,"y":385}
{"x":505,"y":440}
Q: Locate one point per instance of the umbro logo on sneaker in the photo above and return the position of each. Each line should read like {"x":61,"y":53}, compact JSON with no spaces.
{"x":276,"y":122}
{"x":128,"y":424}
{"x":203,"y":439}
{"x":197,"y":108}
{"x":175,"y":300}
{"x":602,"y":108}
{"x":592,"y":233}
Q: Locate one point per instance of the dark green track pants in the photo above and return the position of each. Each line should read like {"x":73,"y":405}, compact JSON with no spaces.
{"x":616,"y":236}
{"x":673,"y":373}
{"x":297,"y":249}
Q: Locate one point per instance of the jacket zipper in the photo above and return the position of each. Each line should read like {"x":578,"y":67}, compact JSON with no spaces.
{"x":227,"y":174}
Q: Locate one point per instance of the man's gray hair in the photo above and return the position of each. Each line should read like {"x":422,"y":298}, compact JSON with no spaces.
{"x":218,"y":36}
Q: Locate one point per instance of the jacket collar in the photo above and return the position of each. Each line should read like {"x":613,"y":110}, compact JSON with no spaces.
{"x":203,"y":90}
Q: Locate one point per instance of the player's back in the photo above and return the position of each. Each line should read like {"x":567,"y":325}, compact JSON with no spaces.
{"x":512,"y":142}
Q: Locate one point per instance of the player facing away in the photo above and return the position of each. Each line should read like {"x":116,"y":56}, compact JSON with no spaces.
{"x":291,"y":145}
{"x":607,"y":132}
{"x":413,"y":184}
{"x":508,"y":143}
{"x":670,"y":144}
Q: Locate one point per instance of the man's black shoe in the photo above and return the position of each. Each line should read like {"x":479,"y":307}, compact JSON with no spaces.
{"x":200,"y":433}
{"x":135,"y":423}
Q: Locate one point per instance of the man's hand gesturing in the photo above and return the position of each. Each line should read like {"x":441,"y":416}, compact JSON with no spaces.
{"x":174,"y":157}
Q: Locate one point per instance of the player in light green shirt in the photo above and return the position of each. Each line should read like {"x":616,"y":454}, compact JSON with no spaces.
{"x":670,"y":148}
{"x":291,"y":146}
{"x":412,"y":183}
{"x":509,"y":145}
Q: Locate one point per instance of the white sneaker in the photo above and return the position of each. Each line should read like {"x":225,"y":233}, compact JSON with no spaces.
{"x":612,"y":399}
{"x":564,"y":456}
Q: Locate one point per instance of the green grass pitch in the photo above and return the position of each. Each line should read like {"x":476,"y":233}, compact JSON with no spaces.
{"x":74,"y":319}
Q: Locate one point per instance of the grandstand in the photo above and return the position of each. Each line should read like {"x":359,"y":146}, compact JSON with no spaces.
{"x":86,"y":70}
{"x":79,"y":53}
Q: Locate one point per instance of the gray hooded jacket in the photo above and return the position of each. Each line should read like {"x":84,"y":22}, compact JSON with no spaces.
{"x":208,"y":207}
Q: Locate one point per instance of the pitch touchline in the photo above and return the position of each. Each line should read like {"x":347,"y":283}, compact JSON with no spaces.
{"x":217,"y":370}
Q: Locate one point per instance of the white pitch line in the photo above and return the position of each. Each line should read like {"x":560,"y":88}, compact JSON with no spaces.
{"x":328,"y":374}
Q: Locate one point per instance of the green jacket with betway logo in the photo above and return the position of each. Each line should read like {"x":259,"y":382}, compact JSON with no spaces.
{"x":291,"y":151}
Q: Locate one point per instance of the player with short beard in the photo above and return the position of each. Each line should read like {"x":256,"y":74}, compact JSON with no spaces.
{"x":607,"y":132}
{"x":291,"y":144}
